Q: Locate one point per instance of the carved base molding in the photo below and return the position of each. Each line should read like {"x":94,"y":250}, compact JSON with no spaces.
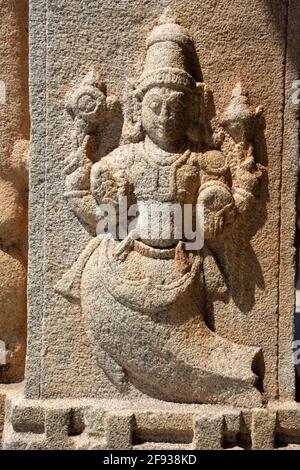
{"x":91,"y":424}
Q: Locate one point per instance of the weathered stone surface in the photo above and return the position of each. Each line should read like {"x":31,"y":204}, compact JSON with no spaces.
{"x":205,"y":120}
{"x":208,"y":432}
{"x":263,"y":429}
{"x":289,"y":184}
{"x":2,"y":413}
{"x":14,"y":135}
{"x":87,"y":424}
{"x":119,"y":430}
{"x":5,"y":392}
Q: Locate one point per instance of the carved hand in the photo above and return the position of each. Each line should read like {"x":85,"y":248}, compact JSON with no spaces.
{"x":78,"y":157}
{"x":247,"y":175}
{"x":219,"y":209}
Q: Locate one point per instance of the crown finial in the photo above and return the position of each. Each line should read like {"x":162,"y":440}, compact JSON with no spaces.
{"x":167,"y":17}
{"x":239,"y":118}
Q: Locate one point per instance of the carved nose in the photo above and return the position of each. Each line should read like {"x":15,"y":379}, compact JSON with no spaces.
{"x":164,"y":114}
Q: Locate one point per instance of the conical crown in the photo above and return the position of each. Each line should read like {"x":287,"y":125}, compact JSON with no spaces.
{"x":169,"y":58}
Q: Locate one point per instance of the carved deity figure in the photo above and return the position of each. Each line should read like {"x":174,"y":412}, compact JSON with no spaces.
{"x":143,"y":297}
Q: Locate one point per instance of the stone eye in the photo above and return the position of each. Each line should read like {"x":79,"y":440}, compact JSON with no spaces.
{"x":155,"y":106}
{"x":176,"y":106}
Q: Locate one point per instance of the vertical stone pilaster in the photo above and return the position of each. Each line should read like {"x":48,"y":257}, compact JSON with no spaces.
{"x":14,"y":136}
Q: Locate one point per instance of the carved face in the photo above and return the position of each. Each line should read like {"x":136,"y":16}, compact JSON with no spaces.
{"x":165,"y":115}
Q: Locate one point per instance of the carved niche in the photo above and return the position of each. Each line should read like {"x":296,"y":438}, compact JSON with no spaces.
{"x":143,"y":297}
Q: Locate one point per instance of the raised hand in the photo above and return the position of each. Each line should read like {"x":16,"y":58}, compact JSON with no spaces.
{"x":218,"y":205}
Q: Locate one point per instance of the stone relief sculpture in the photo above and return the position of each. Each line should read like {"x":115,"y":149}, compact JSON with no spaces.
{"x":143,"y":297}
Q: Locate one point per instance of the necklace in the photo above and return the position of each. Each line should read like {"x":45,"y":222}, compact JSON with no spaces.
{"x":158,"y":156}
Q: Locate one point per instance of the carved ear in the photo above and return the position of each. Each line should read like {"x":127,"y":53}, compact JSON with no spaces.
{"x":132,"y":129}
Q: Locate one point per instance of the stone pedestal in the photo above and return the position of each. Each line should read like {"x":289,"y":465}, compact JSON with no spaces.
{"x":90,"y":424}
